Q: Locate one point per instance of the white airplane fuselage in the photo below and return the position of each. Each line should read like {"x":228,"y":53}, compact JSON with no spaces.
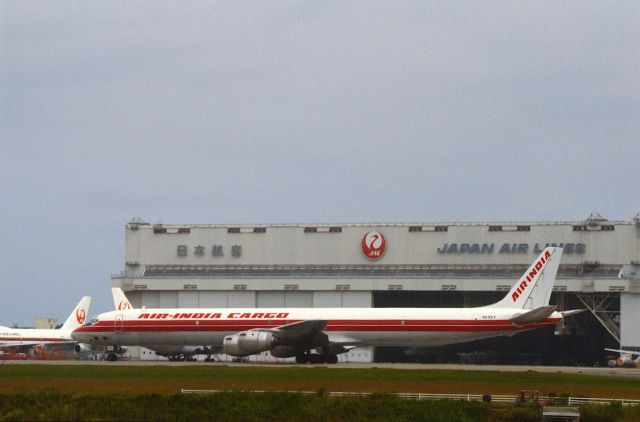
{"x":29,"y":336}
{"x":12,"y":337}
{"x":345,"y":326}
{"x":288,"y":332}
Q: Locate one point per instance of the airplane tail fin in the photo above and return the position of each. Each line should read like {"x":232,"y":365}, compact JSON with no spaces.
{"x":533,"y":289}
{"x":79,"y":315}
{"x":120,"y":301}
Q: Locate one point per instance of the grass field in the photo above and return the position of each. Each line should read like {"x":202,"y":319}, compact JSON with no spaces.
{"x":104,"y":392}
{"x":169,"y":380}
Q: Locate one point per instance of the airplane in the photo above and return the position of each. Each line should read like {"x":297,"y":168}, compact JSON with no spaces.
{"x":626,"y":359}
{"x":296,"y":332}
{"x":27,"y":338}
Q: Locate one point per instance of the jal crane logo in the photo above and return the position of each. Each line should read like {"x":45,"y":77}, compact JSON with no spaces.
{"x":81,"y":315}
{"x":373,"y":245}
{"x":123,"y":305}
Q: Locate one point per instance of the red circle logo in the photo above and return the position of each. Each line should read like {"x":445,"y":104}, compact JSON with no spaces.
{"x":373,"y":245}
{"x":81,"y":314}
{"x":123,"y":305}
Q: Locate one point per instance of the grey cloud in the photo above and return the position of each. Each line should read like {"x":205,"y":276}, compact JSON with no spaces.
{"x":301,"y":112}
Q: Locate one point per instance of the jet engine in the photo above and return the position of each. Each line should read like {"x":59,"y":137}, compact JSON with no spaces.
{"x":249,"y":342}
{"x":627,"y":362}
{"x":82,"y":347}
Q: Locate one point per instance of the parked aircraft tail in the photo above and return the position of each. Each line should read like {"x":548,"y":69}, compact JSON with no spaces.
{"x":79,"y":315}
{"x":120,"y":301}
{"x":533,"y":289}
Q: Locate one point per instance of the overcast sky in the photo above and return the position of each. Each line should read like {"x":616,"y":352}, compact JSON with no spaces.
{"x":286,"y":112}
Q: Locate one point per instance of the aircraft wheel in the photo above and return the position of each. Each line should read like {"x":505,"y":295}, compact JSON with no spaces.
{"x":112,"y":357}
{"x":303,"y":358}
{"x":331,"y":359}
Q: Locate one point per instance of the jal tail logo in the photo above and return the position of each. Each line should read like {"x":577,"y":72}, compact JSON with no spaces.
{"x":373,"y":245}
{"x":123,"y":305}
{"x":81,"y":315}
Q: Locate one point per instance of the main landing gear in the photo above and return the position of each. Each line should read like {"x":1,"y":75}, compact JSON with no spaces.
{"x":316,"y":358}
{"x":181,"y":358}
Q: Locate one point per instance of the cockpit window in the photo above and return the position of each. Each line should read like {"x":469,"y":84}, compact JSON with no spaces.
{"x":95,"y":321}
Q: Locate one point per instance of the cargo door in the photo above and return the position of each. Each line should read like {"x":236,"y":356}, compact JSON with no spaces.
{"x":118,"y":323}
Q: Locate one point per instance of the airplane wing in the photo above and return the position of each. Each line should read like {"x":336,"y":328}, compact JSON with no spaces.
{"x":624,"y":352}
{"x":301,"y":329}
{"x":311,"y":333}
{"x":302,"y":333}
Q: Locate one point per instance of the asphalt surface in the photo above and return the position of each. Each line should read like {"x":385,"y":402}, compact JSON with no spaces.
{"x":618,"y":372}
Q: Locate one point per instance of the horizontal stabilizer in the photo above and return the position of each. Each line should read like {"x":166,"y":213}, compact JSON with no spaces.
{"x":536,"y":315}
{"x":571,"y":312}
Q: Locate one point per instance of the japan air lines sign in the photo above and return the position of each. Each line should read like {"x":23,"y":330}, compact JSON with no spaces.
{"x":373,"y":246}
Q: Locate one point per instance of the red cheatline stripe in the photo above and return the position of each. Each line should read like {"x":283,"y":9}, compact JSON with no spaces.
{"x":332,"y":325}
{"x":277,"y":323}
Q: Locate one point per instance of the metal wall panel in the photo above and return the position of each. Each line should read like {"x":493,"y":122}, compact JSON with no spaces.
{"x":187,"y":299}
{"x":357,"y":300}
{"x":328,"y":299}
{"x":270,"y":299}
{"x":298,"y":299}
{"x":150,"y":299}
{"x":629,"y":320}
{"x":213,"y":299}
{"x":168,"y":299}
{"x":291,"y":245}
{"x":241,"y":299}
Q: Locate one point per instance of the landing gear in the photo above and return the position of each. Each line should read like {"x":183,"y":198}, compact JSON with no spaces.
{"x":209,"y":359}
{"x":112,"y":357}
{"x":181,"y":358}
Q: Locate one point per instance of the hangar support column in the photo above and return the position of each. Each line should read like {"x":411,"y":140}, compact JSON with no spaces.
{"x":630,"y":321}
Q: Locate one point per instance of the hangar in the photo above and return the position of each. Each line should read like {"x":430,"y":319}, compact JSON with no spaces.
{"x":453,"y":264}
